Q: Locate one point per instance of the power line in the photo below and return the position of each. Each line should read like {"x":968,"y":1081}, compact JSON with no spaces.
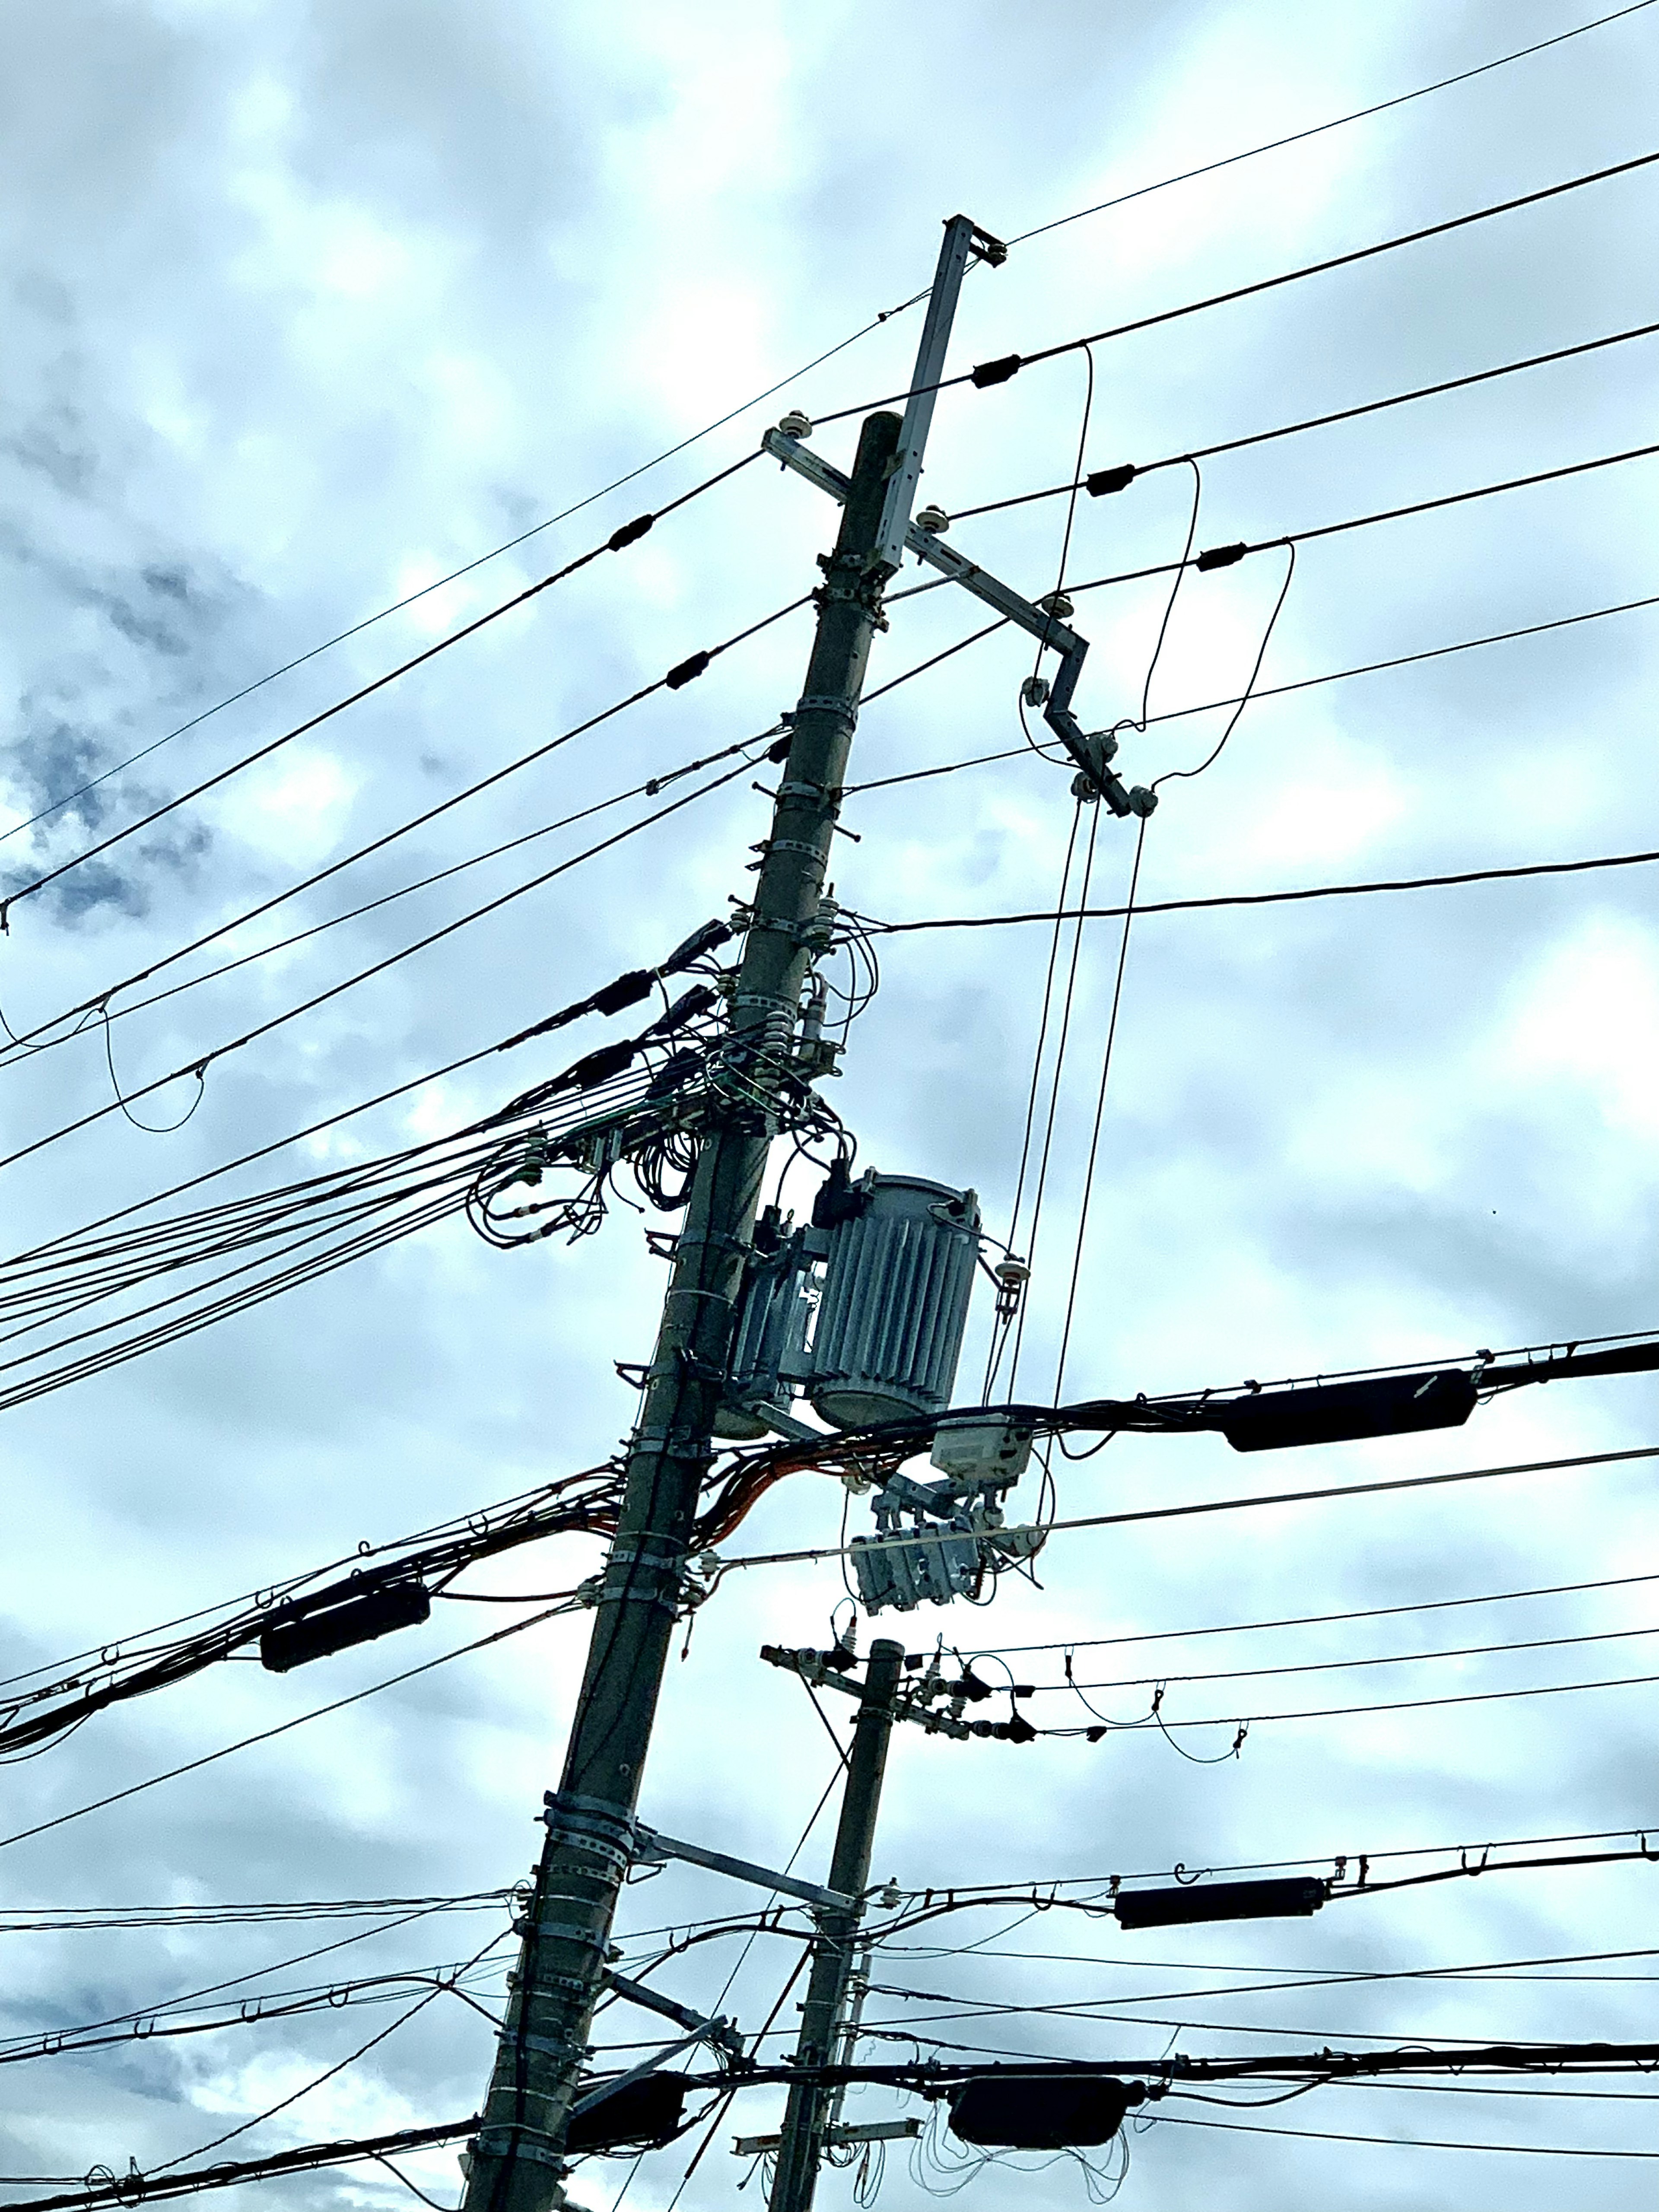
{"x":1411,"y":1705}
{"x":581,"y":1505}
{"x":990,"y":372}
{"x":100,"y":1919}
{"x":99,"y":1004}
{"x":197,"y":1065}
{"x":281,"y":1727}
{"x":1447,"y":882}
{"x":347,"y":1181}
{"x":1401,"y":2142}
{"x":509,"y":545}
{"x":1243,"y":1505}
{"x":1043,"y":1894}
{"x":328,"y":2074}
{"x":255,"y":2012}
{"x":1335,"y":122}
{"x":466,"y":568}
{"x":619,"y":540}
{"x":478,"y":1521}
{"x":1226,"y":556}
{"x":1281,"y":690}
{"x":1341,"y":1666}
{"x":1123,"y":476}
{"x":230,"y":2174}
{"x":1503,"y":1970}
{"x":258,"y":1973}
{"x":1321,"y":1619}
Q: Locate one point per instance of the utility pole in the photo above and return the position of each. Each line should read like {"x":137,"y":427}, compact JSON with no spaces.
{"x":516,"y":2163}
{"x":807,"y":2115}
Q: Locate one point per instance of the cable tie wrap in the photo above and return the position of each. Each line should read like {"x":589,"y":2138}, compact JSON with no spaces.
{"x":1220,"y":556}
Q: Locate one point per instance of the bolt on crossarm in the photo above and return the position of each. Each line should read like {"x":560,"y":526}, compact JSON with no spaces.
{"x":806,"y":2120}
{"x":516,"y":2161}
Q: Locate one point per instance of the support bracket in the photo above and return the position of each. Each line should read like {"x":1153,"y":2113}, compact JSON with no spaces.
{"x":655,"y":1845}
{"x":723,"y":2031}
{"x":1040,"y":623}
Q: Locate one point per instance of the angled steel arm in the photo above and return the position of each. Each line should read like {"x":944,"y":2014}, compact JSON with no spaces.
{"x":1092,"y":755}
{"x":721,"y":2030}
{"x":653,"y":1844}
{"x":956,"y":566}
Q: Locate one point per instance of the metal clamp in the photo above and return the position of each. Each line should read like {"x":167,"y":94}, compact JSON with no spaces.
{"x":592,"y":1830}
{"x":828,"y":703}
{"x":514,"y":2141}
{"x":550,"y":2047}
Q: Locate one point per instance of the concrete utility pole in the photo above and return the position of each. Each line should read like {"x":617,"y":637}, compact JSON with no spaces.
{"x":515,"y":2162}
{"x":807,"y":2115}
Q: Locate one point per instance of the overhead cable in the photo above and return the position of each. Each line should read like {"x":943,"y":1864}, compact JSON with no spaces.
{"x":1322,"y":1619}
{"x":509,"y":545}
{"x":1412,"y":1705}
{"x":100,"y":1006}
{"x":1447,"y":882}
{"x":197,"y":1066}
{"x":231,"y":2173}
{"x":333,"y":1120}
{"x":1227,"y":557}
{"x":579,"y":1505}
{"x":1400,"y":2143}
{"x":1337,"y":1666}
{"x":1282,"y":690}
{"x":628,"y":534}
{"x":160,"y":2022}
{"x":1335,"y":122}
{"x":98,"y":1003}
{"x":1099,"y":483}
{"x":100,"y":1919}
{"x":990,"y":372}
{"x":280,"y":1727}
{"x":1241,"y":1504}
{"x":479,"y":561}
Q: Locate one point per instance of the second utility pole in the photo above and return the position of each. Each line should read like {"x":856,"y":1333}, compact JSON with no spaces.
{"x":807,"y":2119}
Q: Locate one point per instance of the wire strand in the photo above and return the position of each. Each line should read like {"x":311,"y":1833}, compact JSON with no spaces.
{"x":1013,"y":362}
{"x":1284,"y":691}
{"x":1334,"y":123}
{"x":1321,"y":421}
{"x":1100,"y":1110}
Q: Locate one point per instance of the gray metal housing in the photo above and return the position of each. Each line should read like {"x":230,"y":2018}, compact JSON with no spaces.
{"x":900,"y":1273}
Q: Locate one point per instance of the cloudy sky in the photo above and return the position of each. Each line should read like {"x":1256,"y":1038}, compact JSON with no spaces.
{"x":306,"y":307}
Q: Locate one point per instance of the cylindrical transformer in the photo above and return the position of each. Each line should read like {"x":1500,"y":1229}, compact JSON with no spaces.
{"x":900,"y":1273}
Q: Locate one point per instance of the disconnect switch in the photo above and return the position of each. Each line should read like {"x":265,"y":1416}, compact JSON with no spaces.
{"x":935,"y":1565}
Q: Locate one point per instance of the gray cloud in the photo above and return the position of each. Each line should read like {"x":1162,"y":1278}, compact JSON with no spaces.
{"x":309,"y":306}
